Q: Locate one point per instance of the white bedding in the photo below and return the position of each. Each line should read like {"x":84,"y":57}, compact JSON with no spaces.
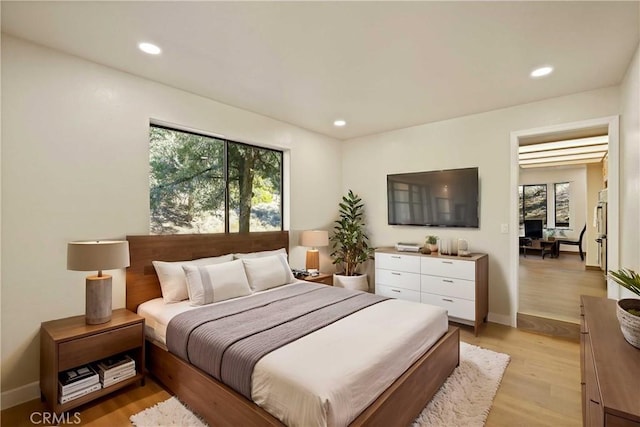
{"x":328,"y":377}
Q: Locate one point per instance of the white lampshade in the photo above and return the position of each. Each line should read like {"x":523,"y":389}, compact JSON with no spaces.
{"x":314,"y":238}
{"x":97,"y":255}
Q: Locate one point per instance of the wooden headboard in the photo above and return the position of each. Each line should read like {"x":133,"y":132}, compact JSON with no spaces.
{"x":142,"y":281}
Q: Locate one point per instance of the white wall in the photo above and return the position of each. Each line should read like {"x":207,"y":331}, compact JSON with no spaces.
{"x":481,"y":140}
{"x":577,"y":177}
{"x":595,"y":183}
{"x":630,"y":169}
{"x":75,"y":166}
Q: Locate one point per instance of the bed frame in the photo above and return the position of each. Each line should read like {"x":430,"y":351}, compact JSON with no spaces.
{"x":218,"y":404}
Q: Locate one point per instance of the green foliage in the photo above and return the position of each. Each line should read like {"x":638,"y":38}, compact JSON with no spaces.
{"x":627,"y":278}
{"x":187,"y":184}
{"x":349,"y":241}
{"x":432,"y":240}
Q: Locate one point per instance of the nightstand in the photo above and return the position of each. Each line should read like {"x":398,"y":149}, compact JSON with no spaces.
{"x":326,"y":279}
{"x":69,"y":343}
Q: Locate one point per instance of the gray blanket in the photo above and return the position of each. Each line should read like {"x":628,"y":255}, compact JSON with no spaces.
{"x":228,"y":340}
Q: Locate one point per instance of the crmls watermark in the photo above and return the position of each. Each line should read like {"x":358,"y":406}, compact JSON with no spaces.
{"x":55,"y":419}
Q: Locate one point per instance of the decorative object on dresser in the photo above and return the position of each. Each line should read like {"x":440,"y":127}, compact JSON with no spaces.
{"x":432,"y":243}
{"x":97,"y":255}
{"x":69,"y":348}
{"x":350,"y":244}
{"x":610,"y":368}
{"x":314,"y":239}
{"x":628,"y":309}
{"x":459,"y":284}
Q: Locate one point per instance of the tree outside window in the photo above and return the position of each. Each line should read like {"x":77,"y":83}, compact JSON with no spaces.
{"x":202,"y":184}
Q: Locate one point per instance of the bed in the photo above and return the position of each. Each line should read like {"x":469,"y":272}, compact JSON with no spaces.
{"x":403,"y":397}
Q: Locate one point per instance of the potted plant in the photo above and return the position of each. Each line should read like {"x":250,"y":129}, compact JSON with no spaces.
{"x":432,"y":243}
{"x":350,"y":244}
{"x":628,"y":309}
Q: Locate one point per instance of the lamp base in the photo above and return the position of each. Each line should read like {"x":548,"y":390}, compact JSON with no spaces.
{"x":98,"y":300}
{"x":313,"y":260}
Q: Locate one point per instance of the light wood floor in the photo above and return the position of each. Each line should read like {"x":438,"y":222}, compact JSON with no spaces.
{"x":551,"y":287}
{"x":541,"y":386}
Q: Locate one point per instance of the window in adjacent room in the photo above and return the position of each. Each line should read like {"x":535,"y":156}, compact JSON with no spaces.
{"x":203,"y":184}
{"x":532,"y":203}
{"x":561,"y":203}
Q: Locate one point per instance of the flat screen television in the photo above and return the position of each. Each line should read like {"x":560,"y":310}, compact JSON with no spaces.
{"x":444,"y":198}
{"x":533,"y":228}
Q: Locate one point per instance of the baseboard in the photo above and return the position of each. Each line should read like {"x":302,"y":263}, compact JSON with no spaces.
{"x":20,"y":395}
{"x":593,"y":267}
{"x":503,"y":319}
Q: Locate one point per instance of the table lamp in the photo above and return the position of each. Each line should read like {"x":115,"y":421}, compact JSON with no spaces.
{"x":97,"y":255}
{"x":314,"y":239}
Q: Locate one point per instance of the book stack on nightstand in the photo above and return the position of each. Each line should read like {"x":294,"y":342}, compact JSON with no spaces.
{"x":77,"y":382}
{"x":115,"y":369}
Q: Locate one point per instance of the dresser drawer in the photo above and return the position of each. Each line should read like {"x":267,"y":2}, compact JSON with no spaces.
{"x":395,"y":262}
{"x":458,"y":288}
{"x":88,"y":349}
{"x":398,"y":279}
{"x":448,"y":268}
{"x":399,"y":293}
{"x":456,"y":307}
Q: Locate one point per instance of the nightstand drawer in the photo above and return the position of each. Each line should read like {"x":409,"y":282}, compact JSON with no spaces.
{"x":89,"y":349}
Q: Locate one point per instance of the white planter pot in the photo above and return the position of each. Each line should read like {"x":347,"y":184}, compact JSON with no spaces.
{"x":358,"y":283}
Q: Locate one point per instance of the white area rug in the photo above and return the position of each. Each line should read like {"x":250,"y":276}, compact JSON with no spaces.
{"x":463,"y":400}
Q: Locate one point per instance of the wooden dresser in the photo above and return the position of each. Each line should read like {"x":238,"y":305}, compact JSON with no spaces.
{"x":610,"y":368}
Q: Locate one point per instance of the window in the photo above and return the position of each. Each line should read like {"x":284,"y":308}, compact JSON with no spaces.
{"x":532,"y":203}
{"x":203,"y":184}
{"x":561,"y":203}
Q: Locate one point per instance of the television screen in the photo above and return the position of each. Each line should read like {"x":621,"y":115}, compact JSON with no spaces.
{"x":445,"y":198}
{"x":533,"y":228}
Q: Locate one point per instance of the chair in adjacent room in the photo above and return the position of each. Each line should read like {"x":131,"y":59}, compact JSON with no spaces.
{"x":577,"y":243}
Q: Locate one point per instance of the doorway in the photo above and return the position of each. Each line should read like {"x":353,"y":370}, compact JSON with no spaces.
{"x":565,"y":271}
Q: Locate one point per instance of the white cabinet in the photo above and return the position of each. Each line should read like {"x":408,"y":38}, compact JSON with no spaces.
{"x":458,"y":284}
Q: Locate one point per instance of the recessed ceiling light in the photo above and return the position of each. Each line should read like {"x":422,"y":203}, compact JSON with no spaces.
{"x":541,"y":72}
{"x":149,"y":48}
{"x":339,"y":123}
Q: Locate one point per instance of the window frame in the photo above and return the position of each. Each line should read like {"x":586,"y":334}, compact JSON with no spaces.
{"x":225,"y":177}
{"x":522,"y":194}
{"x":565,"y":225}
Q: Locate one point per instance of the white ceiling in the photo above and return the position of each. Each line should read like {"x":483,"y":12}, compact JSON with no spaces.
{"x":378,"y":65}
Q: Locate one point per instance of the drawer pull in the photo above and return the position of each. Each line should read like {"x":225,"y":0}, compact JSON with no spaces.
{"x":395,"y":290}
{"x":447,"y":262}
{"x":396,"y":274}
{"x":447,"y":299}
{"x":395,"y":256}
{"x":447,"y":281}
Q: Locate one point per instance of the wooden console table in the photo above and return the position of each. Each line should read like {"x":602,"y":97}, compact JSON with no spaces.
{"x":610,"y":368}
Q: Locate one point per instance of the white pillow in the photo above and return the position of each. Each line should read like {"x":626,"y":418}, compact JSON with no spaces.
{"x":261,"y":254}
{"x":268,"y":272}
{"x":172,"y":279}
{"x":217,"y":282}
